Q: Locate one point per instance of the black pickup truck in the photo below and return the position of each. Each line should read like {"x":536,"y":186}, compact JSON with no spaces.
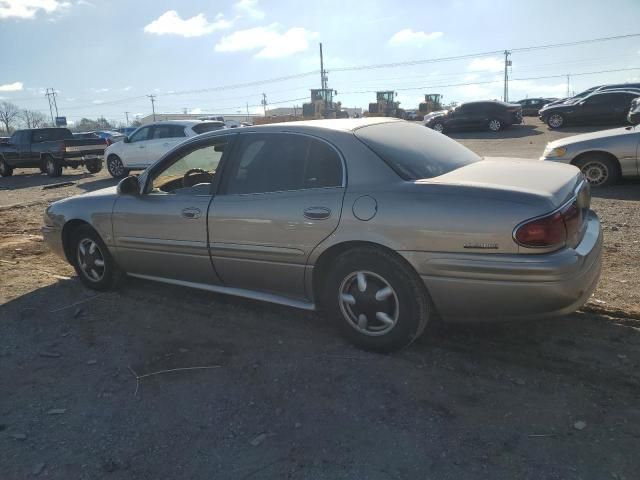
{"x":50,"y":149}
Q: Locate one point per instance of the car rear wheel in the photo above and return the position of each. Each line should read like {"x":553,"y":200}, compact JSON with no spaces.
{"x":116,"y":167}
{"x":92,"y":260}
{"x":438,"y":127}
{"x":93,"y":166}
{"x":599,"y":170}
{"x":52,"y":167}
{"x":5,"y":169}
{"x":555,"y":120}
{"x":495,"y":125}
{"x":378,"y":301}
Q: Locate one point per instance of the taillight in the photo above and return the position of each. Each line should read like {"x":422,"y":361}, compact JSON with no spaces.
{"x":554,"y":230}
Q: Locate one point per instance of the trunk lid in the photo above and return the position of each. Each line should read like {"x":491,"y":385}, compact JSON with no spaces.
{"x":554,"y":182}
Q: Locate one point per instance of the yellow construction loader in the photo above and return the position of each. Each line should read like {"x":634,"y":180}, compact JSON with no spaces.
{"x":385,"y":106}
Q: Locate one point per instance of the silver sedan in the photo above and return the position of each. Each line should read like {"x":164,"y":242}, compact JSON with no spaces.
{"x":381,"y":223}
{"x":604,"y":157}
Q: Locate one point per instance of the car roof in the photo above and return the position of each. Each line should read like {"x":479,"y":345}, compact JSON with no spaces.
{"x":184,"y":123}
{"x":341,"y":124}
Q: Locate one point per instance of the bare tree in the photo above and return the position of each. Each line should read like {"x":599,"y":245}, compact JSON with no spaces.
{"x":8,"y":115}
{"x":33,"y":119}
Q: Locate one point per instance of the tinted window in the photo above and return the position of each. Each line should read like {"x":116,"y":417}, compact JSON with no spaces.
{"x":280,"y":162}
{"x":167,"y":131}
{"x":49,"y":134}
{"x":207,"y":127}
{"x":415,"y":152}
{"x":598,"y":99}
{"x":141,"y":134}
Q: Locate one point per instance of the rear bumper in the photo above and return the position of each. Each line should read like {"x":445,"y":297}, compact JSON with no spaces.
{"x":491,"y":287}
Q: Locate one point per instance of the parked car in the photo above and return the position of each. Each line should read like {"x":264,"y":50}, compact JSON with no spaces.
{"x":110,"y":136}
{"x":149,"y":142}
{"x":126,"y":130}
{"x":531,"y":106}
{"x":599,"y":108}
{"x":379,"y":222}
{"x":603,"y":156}
{"x":491,"y":114}
{"x":634,"y":113}
{"x":598,"y":88}
{"x":50,"y":149}
{"x":85,"y":135}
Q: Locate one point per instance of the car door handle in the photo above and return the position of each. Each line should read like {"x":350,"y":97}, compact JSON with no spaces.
{"x":317,"y":213}
{"x":141,"y":146}
{"x":191,"y":213}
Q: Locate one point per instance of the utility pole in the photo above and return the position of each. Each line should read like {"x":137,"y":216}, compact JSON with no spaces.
{"x":568,"y":79}
{"x":153,"y":105}
{"x":247,"y":111}
{"x":507,"y":63}
{"x":51,"y":97}
{"x":323,"y":80}
{"x":264,"y":103}
{"x":126,"y":114}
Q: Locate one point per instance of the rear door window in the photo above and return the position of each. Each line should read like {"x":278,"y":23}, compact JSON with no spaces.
{"x":167,"y":131}
{"x":283,"y":162}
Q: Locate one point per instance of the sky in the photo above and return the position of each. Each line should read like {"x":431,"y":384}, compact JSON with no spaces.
{"x":104,"y":57}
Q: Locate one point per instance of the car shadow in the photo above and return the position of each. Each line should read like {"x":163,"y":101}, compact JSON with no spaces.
{"x":626,"y":189}
{"x":28,"y":180}
{"x":515,"y":131}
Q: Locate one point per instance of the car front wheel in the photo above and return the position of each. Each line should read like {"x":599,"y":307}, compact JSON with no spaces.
{"x":116,"y":167}
{"x":495,"y":125}
{"x":438,"y":127}
{"x":92,"y":260}
{"x":378,"y":301}
{"x":555,"y":120}
{"x":599,"y":170}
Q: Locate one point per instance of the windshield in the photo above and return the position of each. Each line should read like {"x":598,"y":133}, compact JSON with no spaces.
{"x":413,"y":151}
{"x":207,"y":127}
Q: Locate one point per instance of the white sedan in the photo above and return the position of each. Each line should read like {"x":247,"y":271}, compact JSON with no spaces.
{"x":150,"y":142}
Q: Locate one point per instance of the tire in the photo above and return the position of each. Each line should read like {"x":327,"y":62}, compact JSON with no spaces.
{"x":116,"y":168}
{"x":104,"y":276}
{"x":599,"y":170}
{"x":404,"y":308}
{"x":93,"y":166}
{"x":494,"y":125}
{"x":5,"y":169}
{"x":555,"y":120}
{"x":52,"y":166}
{"x":438,"y":127}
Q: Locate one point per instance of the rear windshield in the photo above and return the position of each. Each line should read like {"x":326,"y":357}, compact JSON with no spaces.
{"x":207,"y":127}
{"x":415,"y":151}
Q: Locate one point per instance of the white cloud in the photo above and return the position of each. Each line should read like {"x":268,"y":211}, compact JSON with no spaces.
{"x":534,"y":89}
{"x":11,"y":87}
{"x":489,"y":64}
{"x":407,"y":37}
{"x":268,"y":40}
{"x":29,"y":8}
{"x":99,"y":90}
{"x":97,"y":102}
{"x":250,"y":9}
{"x":127,"y":88}
{"x":170,"y":23}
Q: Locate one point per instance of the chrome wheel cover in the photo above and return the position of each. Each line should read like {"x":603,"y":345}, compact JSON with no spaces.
{"x":494,"y":125}
{"x":115,"y":166}
{"x":50,"y":166}
{"x":556,"y":120}
{"x":596,"y":173}
{"x":90,"y":259}
{"x":438,"y":127}
{"x":368,"y":303}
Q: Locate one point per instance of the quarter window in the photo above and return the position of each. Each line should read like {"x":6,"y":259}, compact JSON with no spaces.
{"x":281,"y":162}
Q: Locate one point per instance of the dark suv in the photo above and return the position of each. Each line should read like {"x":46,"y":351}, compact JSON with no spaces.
{"x":489,"y":114}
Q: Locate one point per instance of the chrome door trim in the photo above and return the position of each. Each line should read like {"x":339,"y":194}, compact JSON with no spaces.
{"x":237,"y":292}
{"x":236,"y":247}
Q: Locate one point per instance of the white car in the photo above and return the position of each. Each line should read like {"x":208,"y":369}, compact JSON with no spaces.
{"x":150,"y":142}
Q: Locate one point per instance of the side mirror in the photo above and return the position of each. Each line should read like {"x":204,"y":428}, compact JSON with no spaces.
{"x":581,"y":103}
{"x":129,"y":186}
{"x":126,"y":140}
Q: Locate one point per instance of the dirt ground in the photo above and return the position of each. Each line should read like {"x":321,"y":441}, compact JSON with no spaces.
{"x":284,"y":396}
